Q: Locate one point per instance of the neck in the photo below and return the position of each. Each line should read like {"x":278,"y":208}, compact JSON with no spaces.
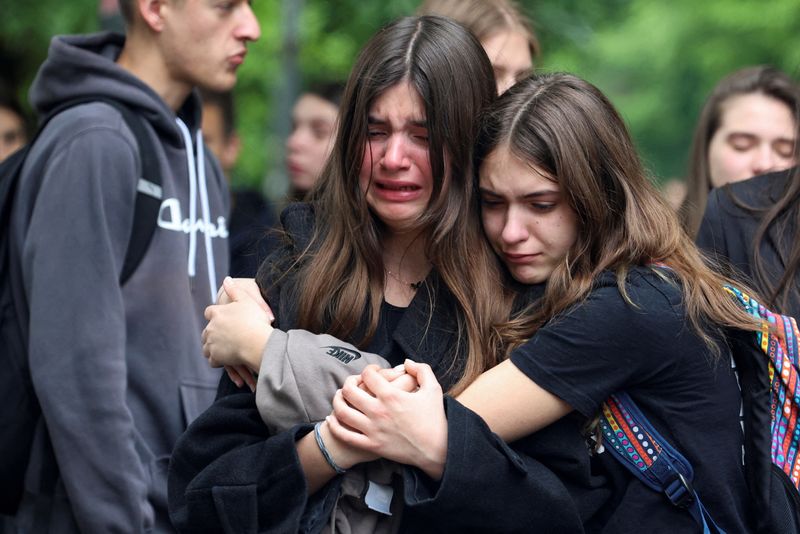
{"x":404,"y":255}
{"x":141,"y":57}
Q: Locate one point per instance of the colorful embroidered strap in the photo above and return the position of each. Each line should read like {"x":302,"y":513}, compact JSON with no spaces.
{"x":778,"y":340}
{"x":639,"y":447}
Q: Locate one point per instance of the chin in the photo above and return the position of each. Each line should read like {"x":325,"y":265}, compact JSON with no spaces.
{"x":528,"y":277}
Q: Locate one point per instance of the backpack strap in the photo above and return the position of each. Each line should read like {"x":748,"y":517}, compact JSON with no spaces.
{"x":778,"y":341}
{"x":635,"y":443}
{"x":149,"y":193}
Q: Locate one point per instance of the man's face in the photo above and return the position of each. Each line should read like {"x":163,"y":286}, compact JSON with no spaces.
{"x":205,"y":41}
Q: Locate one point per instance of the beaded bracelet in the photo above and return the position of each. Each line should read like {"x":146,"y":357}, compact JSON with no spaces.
{"x":325,"y":452}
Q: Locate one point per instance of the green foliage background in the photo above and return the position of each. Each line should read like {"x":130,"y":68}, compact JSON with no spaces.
{"x":657,"y":61}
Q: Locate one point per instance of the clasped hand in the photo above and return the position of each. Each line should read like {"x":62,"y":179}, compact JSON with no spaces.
{"x":397,"y":418}
{"x":238,"y":329}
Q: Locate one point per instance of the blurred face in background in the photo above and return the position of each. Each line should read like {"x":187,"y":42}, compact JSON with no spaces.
{"x":311,"y":140}
{"x":756,"y":135}
{"x":510,"y":54}
{"x":12,"y":132}
{"x":226,"y":147}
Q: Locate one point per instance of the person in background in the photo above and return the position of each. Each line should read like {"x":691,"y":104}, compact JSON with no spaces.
{"x":313,"y":131}
{"x":252,"y":218}
{"x":752,"y":227}
{"x":747,"y":127}
{"x":117,"y":368}
{"x":13,"y":126}
{"x":504,"y":31}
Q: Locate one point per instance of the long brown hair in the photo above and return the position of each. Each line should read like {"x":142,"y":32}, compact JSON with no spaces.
{"x":762,"y":79}
{"x":342,"y":272}
{"x":568,"y":128}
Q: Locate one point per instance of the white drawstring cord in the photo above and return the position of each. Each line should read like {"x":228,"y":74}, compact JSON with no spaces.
{"x":201,"y":170}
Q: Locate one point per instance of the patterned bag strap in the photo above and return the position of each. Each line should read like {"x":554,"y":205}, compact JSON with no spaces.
{"x":632,"y":440}
{"x":778,"y":341}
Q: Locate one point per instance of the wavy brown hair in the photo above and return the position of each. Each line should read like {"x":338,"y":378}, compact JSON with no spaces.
{"x":761,"y":79}
{"x":565,"y":126}
{"x":342,"y":272}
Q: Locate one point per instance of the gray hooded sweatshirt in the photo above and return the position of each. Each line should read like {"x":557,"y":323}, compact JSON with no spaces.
{"x":118,"y":371}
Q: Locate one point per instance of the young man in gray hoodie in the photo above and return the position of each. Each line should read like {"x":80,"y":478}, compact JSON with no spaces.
{"x":118,"y":369}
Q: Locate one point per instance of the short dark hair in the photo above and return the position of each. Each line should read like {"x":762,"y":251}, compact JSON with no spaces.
{"x":11,"y":103}
{"x":327,"y":90}
{"x":126,"y":9}
{"x":224,"y":101}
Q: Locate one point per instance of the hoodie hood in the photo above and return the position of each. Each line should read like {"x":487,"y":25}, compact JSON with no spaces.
{"x":78,"y":66}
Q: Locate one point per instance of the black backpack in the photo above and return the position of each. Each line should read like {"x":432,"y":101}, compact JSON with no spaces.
{"x":19,"y":410}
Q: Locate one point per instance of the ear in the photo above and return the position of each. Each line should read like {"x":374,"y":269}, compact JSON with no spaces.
{"x":151,"y":13}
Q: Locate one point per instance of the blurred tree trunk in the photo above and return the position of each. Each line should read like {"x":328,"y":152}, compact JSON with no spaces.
{"x":285,"y":90}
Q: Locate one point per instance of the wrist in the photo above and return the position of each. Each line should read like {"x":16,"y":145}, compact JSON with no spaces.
{"x":433,"y":459}
{"x":255,"y":352}
{"x":343,"y":455}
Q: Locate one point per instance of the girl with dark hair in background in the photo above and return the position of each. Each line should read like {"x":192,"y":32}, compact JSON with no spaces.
{"x":747,"y":127}
{"x":313,"y":132}
{"x":752,"y":226}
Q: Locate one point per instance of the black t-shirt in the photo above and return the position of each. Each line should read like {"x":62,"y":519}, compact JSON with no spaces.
{"x":387,"y":324}
{"x":605,"y":345}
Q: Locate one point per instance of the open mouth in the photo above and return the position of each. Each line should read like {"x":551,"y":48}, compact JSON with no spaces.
{"x":396,"y":187}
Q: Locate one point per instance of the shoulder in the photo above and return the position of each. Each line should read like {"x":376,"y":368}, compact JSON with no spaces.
{"x":757,"y":193}
{"x":298,"y":222}
{"x":646,"y":297}
{"x":94,"y":127}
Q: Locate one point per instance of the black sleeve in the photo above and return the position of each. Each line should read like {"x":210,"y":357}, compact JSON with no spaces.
{"x":227,"y":474}
{"x":487,"y":486}
{"x":711,"y":235}
{"x":603,"y":344}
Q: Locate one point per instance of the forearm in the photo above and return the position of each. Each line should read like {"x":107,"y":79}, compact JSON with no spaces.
{"x":315,"y":468}
{"x":228,"y":469}
{"x":78,"y":368}
{"x":487,"y":485}
{"x":511,"y":403}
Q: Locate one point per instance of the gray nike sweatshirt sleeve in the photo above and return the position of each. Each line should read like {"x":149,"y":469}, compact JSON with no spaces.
{"x":300,"y":373}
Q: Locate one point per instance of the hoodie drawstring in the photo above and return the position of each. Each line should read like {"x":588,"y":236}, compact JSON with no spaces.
{"x":197,"y":167}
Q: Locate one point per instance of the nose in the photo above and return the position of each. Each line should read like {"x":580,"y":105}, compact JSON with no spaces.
{"x":394,"y":154}
{"x":294,"y":141}
{"x":764,"y":160}
{"x":504,"y":83}
{"x":514,"y":229}
{"x":249,"y":29}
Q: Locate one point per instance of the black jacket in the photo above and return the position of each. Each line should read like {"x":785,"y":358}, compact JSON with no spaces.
{"x":729,"y":228}
{"x":229,"y":474}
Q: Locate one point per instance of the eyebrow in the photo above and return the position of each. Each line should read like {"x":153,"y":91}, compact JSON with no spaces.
{"x":371,"y":119}
{"x":532,"y":195}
